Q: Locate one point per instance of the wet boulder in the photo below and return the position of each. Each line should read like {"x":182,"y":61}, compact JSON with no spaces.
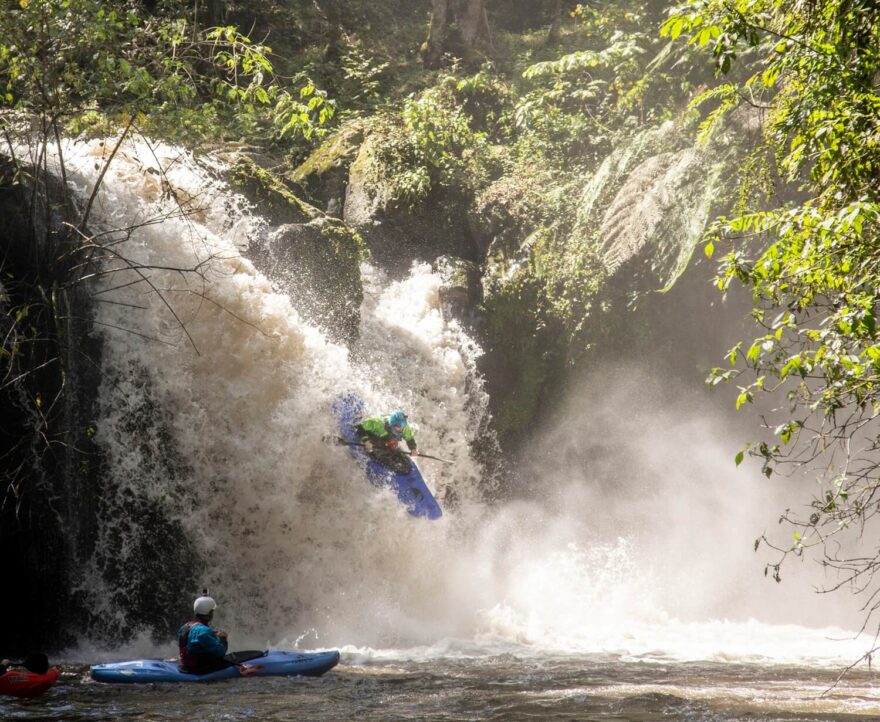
{"x":398,"y":233}
{"x":313,"y":258}
{"x":323,"y":176}
{"x":460,"y":289}
{"x":318,"y":265}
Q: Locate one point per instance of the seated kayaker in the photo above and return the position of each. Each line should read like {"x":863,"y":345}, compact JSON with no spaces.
{"x":32,"y":681}
{"x":381,"y":437}
{"x":202,"y":648}
{"x":35,"y":662}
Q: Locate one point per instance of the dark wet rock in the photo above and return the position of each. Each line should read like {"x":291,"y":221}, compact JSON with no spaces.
{"x":318,"y":265}
{"x":460,"y":288}
{"x":50,"y":361}
{"x":398,"y":234}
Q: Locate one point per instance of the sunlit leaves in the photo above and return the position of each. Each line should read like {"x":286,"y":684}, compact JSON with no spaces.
{"x":618,"y":55}
{"x":83,"y":62}
{"x":727,"y":97}
{"x":430,"y":144}
{"x":624,"y":78}
{"x":305,"y":115}
{"x":812,"y":264}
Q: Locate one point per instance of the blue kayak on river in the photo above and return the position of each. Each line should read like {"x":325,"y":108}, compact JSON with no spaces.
{"x":410,"y":487}
{"x":271,"y":664}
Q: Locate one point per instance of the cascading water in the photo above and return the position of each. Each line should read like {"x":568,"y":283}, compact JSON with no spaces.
{"x":214,"y":413}
{"x":213,"y":421}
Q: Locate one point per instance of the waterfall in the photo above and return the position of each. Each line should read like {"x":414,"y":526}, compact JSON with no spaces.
{"x":214,"y":408}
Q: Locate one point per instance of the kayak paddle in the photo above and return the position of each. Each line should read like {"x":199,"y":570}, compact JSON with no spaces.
{"x":342,"y":442}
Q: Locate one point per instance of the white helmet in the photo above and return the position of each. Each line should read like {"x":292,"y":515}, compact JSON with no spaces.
{"x":203,"y":606}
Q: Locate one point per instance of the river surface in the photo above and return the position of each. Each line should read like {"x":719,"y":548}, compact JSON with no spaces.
{"x":507,"y":686}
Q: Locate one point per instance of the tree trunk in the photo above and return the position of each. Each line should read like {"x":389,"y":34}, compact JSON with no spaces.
{"x":437,"y":32}
{"x":213,"y":12}
{"x":471,"y":18}
{"x":332,"y":50}
{"x":556,"y":23}
{"x":207,"y":13}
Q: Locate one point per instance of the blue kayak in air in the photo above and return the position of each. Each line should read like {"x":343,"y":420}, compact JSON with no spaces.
{"x":410,"y":487}
{"x":271,"y":664}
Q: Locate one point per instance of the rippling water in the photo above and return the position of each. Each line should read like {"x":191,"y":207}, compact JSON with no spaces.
{"x":501,"y":687}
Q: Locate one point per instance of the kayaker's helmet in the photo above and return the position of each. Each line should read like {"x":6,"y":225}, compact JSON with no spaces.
{"x":36,"y":662}
{"x":203,"y":606}
{"x":397,"y":419}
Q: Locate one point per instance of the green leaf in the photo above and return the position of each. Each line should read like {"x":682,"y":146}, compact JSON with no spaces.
{"x":769,"y":76}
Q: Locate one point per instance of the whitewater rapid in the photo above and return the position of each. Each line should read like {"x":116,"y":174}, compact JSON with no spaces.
{"x":215,"y":410}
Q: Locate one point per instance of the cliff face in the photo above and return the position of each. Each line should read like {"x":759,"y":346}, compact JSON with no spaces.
{"x":548,"y":289}
{"x":48,"y":473}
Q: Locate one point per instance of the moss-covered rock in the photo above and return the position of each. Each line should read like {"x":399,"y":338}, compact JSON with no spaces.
{"x":323,"y":176}
{"x":398,"y":233}
{"x":267,"y":191}
{"x":519,"y":353}
{"x":508,"y":210}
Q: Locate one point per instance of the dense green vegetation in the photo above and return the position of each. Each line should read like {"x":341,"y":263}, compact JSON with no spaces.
{"x":805,"y":240}
{"x":476,"y":129}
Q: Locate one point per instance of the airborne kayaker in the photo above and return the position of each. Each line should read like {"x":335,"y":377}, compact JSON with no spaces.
{"x":381,"y":437}
{"x":202,"y":648}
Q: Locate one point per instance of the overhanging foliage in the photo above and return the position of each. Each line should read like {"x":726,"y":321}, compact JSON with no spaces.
{"x":809,"y":251}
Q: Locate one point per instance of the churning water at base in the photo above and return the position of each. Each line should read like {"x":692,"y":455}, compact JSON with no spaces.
{"x":214,"y":413}
{"x":490,"y":687}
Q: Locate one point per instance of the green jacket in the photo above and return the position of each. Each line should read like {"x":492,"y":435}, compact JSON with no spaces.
{"x":378,"y":430}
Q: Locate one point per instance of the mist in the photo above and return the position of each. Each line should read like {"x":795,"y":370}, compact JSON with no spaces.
{"x":651,"y":461}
